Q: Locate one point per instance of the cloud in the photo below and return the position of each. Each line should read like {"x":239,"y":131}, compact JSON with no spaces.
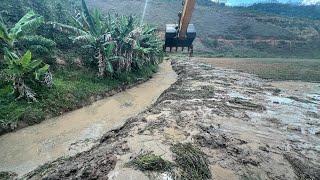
{"x":310,"y":2}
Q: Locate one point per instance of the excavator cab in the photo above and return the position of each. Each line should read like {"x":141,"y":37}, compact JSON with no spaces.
{"x":181,"y":34}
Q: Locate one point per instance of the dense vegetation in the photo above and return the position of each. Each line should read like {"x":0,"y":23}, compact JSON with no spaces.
{"x":51,"y":63}
{"x":232,"y":32}
{"x":51,"y":10}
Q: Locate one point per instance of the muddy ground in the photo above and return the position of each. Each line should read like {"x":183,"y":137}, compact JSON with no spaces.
{"x":246,"y":127}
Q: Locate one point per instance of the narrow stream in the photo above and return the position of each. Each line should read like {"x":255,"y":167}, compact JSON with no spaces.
{"x":77,"y":131}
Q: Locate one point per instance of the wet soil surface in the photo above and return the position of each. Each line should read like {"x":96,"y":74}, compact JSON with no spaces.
{"x":247,"y":127}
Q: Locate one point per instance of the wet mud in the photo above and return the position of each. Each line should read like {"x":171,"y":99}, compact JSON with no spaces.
{"x":247,"y":127}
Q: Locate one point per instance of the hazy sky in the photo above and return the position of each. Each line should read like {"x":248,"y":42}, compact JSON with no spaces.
{"x":240,"y":2}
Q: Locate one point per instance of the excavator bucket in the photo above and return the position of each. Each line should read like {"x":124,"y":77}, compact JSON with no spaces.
{"x":173,"y":41}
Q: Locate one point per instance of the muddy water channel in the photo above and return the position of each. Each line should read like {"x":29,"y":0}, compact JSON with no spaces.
{"x":24,"y":150}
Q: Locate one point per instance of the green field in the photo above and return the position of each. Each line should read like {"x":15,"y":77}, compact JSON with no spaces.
{"x":271,"y":68}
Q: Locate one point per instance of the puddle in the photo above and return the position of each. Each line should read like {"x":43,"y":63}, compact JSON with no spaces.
{"x":77,"y":131}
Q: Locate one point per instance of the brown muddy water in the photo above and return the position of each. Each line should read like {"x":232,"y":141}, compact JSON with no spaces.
{"x":78,"y":131}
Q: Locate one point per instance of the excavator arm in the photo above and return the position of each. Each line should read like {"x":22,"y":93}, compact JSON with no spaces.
{"x":182,"y":34}
{"x":186,"y":18}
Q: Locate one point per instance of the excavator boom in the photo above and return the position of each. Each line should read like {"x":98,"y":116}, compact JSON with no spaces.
{"x":186,"y":18}
{"x":181,"y":34}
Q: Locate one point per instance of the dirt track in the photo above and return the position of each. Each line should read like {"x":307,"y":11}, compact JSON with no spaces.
{"x":246,"y":127}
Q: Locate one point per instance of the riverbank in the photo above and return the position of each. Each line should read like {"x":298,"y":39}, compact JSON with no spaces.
{"x":73,"y":89}
{"x":244,"y":126}
{"x":79,"y":130}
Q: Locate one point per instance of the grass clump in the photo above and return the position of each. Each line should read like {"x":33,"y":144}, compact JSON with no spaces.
{"x":192,"y":162}
{"x":150,"y":162}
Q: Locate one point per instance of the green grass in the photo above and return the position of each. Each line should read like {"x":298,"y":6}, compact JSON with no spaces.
{"x":272,"y":68}
{"x":150,"y":162}
{"x":192,"y":162}
{"x":72,"y":89}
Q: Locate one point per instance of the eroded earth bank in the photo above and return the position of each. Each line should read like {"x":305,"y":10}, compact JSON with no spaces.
{"x":239,"y":126}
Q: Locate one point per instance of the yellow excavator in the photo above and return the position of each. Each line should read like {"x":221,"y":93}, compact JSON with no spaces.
{"x":181,"y":34}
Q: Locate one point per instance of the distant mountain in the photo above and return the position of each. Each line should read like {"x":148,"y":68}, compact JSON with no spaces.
{"x":250,"y":2}
{"x":290,"y":10}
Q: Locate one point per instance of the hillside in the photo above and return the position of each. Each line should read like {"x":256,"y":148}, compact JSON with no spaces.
{"x":290,"y":10}
{"x":233,"y":32}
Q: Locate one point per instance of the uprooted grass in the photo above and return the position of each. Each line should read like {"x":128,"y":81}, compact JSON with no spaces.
{"x":192,"y":162}
{"x":150,"y":162}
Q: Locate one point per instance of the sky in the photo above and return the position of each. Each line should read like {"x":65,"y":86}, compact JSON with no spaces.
{"x":241,"y":2}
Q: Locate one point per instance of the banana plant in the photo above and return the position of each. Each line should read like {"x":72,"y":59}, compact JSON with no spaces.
{"x":148,"y":47}
{"x":124,"y":31}
{"x":118,"y":42}
{"x":90,"y":29}
{"x":24,"y":34}
{"x":25,"y":71}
